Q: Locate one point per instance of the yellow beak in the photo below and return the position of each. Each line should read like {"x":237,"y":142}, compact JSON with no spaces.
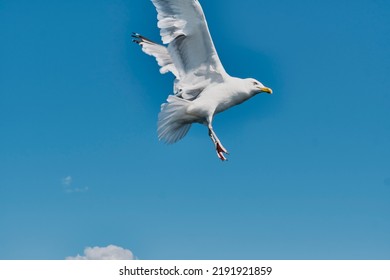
{"x":266,"y":89}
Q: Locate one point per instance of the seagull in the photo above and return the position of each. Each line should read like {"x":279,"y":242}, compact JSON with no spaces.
{"x":202,"y":88}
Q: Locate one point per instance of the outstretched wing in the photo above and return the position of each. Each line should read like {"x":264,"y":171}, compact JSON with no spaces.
{"x":184,"y":28}
{"x":160,"y":52}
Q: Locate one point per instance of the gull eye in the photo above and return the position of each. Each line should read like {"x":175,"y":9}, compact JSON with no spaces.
{"x":255,"y":83}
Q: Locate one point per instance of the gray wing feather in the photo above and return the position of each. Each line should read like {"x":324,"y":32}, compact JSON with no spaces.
{"x":184,"y":28}
{"x":159,"y":52}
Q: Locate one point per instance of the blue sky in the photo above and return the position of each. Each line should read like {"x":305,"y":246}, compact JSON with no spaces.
{"x":308,"y":176}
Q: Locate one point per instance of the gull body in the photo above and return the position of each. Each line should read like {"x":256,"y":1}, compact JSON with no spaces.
{"x":202,"y":87}
{"x":222,"y":96}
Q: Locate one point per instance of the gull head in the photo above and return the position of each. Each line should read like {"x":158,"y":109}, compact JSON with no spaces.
{"x":256,"y":87}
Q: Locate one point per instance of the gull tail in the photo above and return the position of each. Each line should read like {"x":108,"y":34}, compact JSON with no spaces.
{"x":173,"y":121}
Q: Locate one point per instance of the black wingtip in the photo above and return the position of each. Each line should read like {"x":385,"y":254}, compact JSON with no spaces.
{"x":137,"y":39}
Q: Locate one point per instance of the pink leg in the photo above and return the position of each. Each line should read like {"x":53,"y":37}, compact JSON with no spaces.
{"x":220,"y":149}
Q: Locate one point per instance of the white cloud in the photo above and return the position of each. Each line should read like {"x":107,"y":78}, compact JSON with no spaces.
{"x":111,"y":252}
{"x":67,"y":183}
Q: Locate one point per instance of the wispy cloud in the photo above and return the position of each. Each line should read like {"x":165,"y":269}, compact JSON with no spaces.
{"x":111,"y":252}
{"x":67,"y":183}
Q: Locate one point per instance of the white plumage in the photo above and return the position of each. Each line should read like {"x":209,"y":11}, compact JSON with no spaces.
{"x":202,"y":87}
